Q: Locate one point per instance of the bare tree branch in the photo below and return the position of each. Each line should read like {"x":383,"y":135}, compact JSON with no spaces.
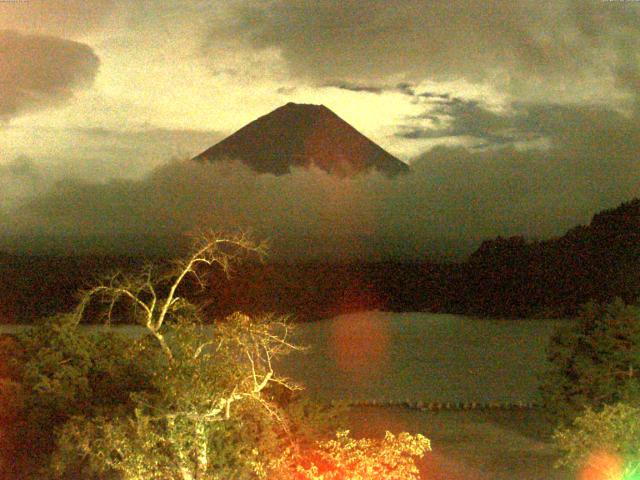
{"x":209,"y":250}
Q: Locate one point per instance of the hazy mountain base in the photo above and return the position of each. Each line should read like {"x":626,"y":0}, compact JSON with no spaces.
{"x":504,"y":277}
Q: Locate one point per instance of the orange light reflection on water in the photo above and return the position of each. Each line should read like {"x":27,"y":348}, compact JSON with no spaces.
{"x":360,"y":344}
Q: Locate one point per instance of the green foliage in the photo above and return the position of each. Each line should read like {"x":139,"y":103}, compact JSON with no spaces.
{"x":59,"y":370}
{"x":69,"y":369}
{"x":11,"y":356}
{"x":184,"y":401}
{"x":608,"y":441}
{"x":594,"y":362}
{"x":208,"y":411}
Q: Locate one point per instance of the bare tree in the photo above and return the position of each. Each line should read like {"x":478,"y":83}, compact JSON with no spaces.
{"x":141,"y":288}
{"x":204,"y":372}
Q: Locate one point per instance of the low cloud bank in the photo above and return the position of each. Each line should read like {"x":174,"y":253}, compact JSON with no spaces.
{"x":453,"y":197}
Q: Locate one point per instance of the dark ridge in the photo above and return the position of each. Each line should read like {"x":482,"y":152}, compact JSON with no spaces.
{"x":300,"y":135}
{"x":595,"y":262}
{"x":504,"y":277}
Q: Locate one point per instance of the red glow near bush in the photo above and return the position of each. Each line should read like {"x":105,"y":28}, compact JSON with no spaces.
{"x":602,"y":465}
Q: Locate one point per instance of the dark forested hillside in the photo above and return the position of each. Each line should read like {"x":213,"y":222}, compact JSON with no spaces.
{"x":509,"y":276}
{"x":32,"y":286}
{"x":503,"y":277}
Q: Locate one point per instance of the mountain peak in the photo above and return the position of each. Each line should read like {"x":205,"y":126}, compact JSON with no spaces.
{"x":295,"y":105}
{"x":303,"y":106}
{"x":301,"y":135}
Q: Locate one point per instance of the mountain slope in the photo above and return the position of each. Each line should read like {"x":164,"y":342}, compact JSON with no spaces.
{"x":301,"y":135}
{"x":599,"y":261}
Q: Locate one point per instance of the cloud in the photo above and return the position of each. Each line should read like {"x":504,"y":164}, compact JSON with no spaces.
{"x":355,"y":87}
{"x":453,"y":195}
{"x":146,"y":145}
{"x":21,"y":167}
{"x":101,"y":154}
{"x":64,"y":18}
{"x":593,"y":130}
{"x":94,"y":155}
{"x":457,"y":117}
{"x":442,"y":96}
{"x":20,"y":179}
{"x":515,"y":43}
{"x":38,"y":71}
{"x":405,"y":88}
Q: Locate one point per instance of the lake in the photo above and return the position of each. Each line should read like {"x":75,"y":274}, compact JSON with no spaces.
{"x":417,"y":357}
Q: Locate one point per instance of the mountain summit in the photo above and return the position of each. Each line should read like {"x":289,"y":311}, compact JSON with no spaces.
{"x":301,"y":135}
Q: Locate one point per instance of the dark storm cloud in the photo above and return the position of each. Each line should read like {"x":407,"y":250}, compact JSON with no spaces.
{"x":355,"y":87}
{"x":38,"y":71}
{"x":358,"y":41}
{"x":457,"y":117}
{"x":452,"y":194}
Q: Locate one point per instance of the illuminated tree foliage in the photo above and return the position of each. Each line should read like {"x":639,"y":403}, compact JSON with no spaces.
{"x":604,"y":444}
{"x":209,"y":411}
{"x":210,"y":402}
{"x":183,"y":400}
{"x":56,"y":371}
{"x":392,"y":458}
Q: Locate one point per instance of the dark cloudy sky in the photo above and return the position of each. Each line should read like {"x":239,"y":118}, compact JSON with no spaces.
{"x":518,"y":117}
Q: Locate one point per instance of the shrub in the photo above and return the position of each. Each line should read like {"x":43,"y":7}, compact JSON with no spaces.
{"x":605,"y":443}
{"x":594,"y":362}
{"x":345,"y":458}
{"x":60,"y":370}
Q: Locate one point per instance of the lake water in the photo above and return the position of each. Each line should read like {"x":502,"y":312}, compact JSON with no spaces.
{"x":418,"y":357}
{"x":422,"y":357}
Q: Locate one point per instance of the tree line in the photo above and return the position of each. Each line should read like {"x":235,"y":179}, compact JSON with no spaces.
{"x":504,"y":277}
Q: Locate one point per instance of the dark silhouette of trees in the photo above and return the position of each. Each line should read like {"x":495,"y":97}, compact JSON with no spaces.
{"x":506,"y":277}
{"x":594,"y":362}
